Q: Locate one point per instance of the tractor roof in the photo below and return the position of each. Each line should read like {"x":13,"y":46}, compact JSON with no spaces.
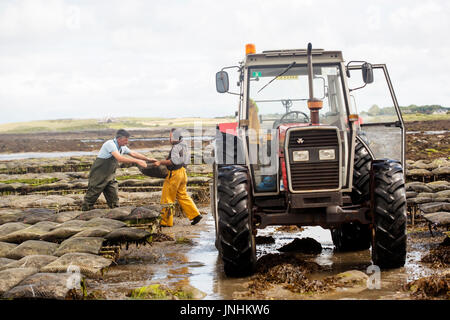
{"x":288,"y":56}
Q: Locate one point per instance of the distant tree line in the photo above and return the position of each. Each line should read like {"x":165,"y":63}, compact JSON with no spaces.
{"x":375,"y":110}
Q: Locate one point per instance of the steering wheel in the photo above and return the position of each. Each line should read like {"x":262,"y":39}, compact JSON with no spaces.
{"x":284,"y":120}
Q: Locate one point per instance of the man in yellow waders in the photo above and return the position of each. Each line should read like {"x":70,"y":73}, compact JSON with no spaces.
{"x":174,"y":187}
{"x":102,"y":176}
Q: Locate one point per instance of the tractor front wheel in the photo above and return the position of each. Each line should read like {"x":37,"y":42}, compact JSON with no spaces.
{"x":389,"y":214}
{"x":235,"y":237}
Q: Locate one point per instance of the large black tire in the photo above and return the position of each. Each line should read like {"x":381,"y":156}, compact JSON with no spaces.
{"x":361,"y":174}
{"x":236,"y":240}
{"x":389,"y":214}
{"x":354,"y":236}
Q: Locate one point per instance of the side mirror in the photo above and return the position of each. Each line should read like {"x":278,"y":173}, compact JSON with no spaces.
{"x":222,"y":82}
{"x":367,"y":73}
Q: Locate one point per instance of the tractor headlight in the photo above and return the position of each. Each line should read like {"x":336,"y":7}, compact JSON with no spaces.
{"x":300,"y":155}
{"x":327,"y":154}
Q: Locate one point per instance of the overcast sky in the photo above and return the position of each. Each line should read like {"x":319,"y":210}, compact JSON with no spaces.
{"x":93,"y":59}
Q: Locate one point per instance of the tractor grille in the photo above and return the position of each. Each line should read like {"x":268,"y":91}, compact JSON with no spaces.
{"x":313,"y":138}
{"x":314,"y":174}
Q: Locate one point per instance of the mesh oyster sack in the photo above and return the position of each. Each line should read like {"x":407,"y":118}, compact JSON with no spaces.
{"x":61,"y":234}
{"x":144,"y":215}
{"x":91,"y":214}
{"x":48,"y":286}
{"x":105,"y":223}
{"x":80,"y":244}
{"x":119,"y":213}
{"x":34,"y":261}
{"x":5,"y":248}
{"x":31,"y":233}
{"x":89,"y":265}
{"x":154,"y":171}
{"x":11,"y":227}
{"x":11,"y":277}
{"x":32,"y":247}
{"x":92,"y":232}
{"x":35,"y":215}
{"x":127,"y":235}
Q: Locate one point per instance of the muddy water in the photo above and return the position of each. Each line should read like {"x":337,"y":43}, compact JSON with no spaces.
{"x":196,"y":263}
{"x":206,"y":269}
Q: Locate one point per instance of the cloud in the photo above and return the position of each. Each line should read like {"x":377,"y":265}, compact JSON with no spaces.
{"x":72,"y":59}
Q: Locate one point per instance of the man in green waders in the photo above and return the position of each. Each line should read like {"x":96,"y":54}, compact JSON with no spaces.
{"x":102,"y":177}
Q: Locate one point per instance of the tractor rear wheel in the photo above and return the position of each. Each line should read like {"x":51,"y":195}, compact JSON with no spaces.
{"x":236,"y":240}
{"x":389,"y":214}
{"x":354,"y":236}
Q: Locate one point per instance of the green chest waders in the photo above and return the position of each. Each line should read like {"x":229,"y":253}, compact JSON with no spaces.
{"x":102,"y":178}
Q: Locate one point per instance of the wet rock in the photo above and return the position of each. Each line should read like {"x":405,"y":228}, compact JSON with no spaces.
{"x":352,"y":278}
{"x":32,"y":261}
{"x":92,"y":232}
{"x":305,"y":245}
{"x":91,"y":214}
{"x":105,"y":223}
{"x":186,"y":291}
{"x":32,"y":247}
{"x":47,"y":286}
{"x":153,"y":292}
{"x":11,"y":227}
{"x":90,"y":265}
{"x":90,"y":245}
{"x":434,"y":207}
{"x":11,"y":277}
{"x":66,"y":216}
{"x":264,"y":240}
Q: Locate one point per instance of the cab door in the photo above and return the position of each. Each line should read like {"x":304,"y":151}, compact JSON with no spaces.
{"x":381,"y":124}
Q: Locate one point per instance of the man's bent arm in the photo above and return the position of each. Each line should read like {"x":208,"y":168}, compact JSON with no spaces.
{"x":140,"y":156}
{"x":121,"y":158}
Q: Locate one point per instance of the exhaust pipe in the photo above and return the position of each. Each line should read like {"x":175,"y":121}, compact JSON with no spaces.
{"x":314,"y":105}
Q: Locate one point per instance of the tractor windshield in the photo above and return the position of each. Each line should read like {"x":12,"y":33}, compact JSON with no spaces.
{"x":284,"y":99}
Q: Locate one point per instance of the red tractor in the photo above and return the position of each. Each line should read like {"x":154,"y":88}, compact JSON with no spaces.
{"x":299,"y":154}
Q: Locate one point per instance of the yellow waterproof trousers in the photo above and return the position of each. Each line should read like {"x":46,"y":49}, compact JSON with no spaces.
{"x":174,"y":188}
